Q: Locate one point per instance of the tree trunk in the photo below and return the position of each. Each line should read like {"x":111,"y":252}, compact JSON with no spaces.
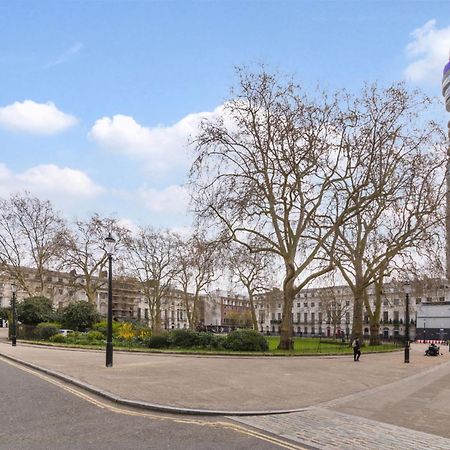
{"x":252,"y":310}
{"x":374,"y":332}
{"x":157,"y":317}
{"x":357,"y":325}
{"x":374,"y":316}
{"x":287,"y":330}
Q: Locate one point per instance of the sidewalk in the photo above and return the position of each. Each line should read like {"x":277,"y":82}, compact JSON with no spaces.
{"x":228,"y":384}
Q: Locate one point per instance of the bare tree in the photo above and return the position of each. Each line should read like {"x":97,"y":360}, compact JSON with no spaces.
{"x":271,"y":168}
{"x":334,"y":305}
{"x":406,"y":178}
{"x":254,"y":271}
{"x":197,"y":263}
{"x":151,"y":259}
{"x":84,"y":252}
{"x":31,"y":234}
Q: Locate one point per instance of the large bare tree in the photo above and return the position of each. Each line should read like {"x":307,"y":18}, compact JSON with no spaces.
{"x":84,"y":252}
{"x":406,"y":178}
{"x":254,"y":271}
{"x":31,"y":233}
{"x":269,"y":170}
{"x":197,"y":259}
{"x":152,"y":260}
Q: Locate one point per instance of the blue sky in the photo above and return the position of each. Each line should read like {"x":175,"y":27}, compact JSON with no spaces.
{"x":98,"y":98}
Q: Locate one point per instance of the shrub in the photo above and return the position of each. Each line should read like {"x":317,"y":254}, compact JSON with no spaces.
{"x":159,"y":341}
{"x":34,"y":310}
{"x":94,"y":336}
{"x":210,"y":340}
{"x":79,"y":315}
{"x":126,"y":331}
{"x":45,"y":330}
{"x":184,"y":338}
{"x":58,"y":338}
{"x":103,"y":326}
{"x":246,"y":341}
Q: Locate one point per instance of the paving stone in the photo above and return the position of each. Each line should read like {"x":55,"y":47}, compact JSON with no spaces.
{"x":326,"y":430}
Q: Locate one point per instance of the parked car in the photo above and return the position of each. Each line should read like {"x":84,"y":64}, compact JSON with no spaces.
{"x":65,"y":332}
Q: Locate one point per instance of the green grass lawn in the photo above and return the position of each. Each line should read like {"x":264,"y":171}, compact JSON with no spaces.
{"x":315,"y":345}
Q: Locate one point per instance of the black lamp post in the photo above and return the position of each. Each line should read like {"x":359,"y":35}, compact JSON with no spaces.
{"x":14,"y":316}
{"x":407,"y":291}
{"x":109,"y":245}
{"x":424,"y":324}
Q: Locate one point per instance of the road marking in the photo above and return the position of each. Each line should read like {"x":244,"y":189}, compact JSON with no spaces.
{"x":117,"y":410}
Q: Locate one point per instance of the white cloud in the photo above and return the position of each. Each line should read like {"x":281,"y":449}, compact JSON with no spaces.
{"x":49,"y":180}
{"x":163,"y":147}
{"x":171,"y":200}
{"x":430,"y":51}
{"x":36,"y":118}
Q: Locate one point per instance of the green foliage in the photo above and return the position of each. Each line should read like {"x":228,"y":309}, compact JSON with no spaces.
{"x":58,"y":338}
{"x":103,"y":326}
{"x":159,"y":341}
{"x":210,"y":341}
{"x":184,"y":338}
{"x":79,"y":315}
{"x":34,"y":310}
{"x":95,"y":336}
{"x":246,"y":341}
{"x":4,"y":313}
{"x":45,"y":330}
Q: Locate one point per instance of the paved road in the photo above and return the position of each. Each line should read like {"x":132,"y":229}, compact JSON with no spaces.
{"x":38,"y":414}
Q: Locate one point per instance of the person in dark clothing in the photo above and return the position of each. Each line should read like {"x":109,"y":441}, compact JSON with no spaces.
{"x":356,"y":349}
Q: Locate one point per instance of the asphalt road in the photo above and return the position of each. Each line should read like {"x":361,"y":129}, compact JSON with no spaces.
{"x":37,"y":412}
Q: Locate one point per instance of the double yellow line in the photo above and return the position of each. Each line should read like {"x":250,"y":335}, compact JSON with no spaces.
{"x":117,"y":410}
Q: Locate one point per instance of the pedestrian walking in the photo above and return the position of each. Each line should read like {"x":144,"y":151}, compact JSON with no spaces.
{"x":356,"y":349}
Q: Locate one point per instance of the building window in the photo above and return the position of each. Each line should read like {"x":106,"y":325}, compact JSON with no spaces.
{"x":385,"y":316}
{"x":146,"y":313}
{"x":298,"y":305}
{"x":442,"y":299}
{"x":312,"y":319}
{"x":298,"y":318}
{"x":320,"y":317}
{"x":313,"y":304}
{"x":418,"y":301}
{"x":139,"y":313}
{"x":305,"y":317}
{"x":396,"y":302}
{"x":279,"y":316}
{"x":305,"y":304}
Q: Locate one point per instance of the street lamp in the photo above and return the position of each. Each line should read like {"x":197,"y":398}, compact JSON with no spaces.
{"x":14,"y":316}
{"x":424,"y":324}
{"x":109,"y":245}
{"x":407,"y":288}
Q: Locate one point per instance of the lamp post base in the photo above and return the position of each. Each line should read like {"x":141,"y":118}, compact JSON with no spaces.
{"x":109,"y":354}
{"x":406,"y":354}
